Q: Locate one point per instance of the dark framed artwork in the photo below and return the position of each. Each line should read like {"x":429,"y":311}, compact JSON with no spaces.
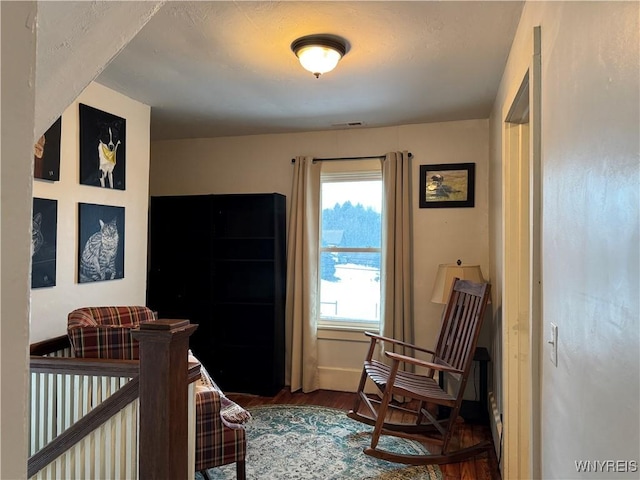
{"x":102,"y":148}
{"x":447,"y":185}
{"x":43,"y":242}
{"x":46,"y":155}
{"x":100,"y":243}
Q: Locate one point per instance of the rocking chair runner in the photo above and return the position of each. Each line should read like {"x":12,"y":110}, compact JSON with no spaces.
{"x":462,"y":319}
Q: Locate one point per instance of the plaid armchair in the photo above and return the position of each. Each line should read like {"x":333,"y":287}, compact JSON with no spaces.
{"x":216,"y":413}
{"x":105,"y":332}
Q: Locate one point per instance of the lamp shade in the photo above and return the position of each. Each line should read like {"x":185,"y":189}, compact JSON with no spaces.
{"x":318,"y":59}
{"x":319,"y":53}
{"x":445,"y":276}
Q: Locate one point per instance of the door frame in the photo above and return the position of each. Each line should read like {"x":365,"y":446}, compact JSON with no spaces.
{"x":522,"y":285}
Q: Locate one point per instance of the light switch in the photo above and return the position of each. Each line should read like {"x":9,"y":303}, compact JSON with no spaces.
{"x":554,"y":344}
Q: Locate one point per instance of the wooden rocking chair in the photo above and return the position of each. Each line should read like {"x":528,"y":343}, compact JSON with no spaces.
{"x":462,"y":319}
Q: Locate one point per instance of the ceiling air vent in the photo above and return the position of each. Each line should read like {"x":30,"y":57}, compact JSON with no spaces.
{"x":348,"y":124}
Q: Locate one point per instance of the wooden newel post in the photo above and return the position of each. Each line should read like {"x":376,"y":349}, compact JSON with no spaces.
{"x":163,"y":439}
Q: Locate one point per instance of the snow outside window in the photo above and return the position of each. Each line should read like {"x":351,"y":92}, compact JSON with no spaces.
{"x":350,"y":249}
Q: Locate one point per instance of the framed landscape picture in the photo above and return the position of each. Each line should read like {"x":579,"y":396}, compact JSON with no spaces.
{"x":44,"y":242}
{"x":447,"y":185}
{"x":46,"y":155}
{"x":101,"y":243}
{"x":102,"y":148}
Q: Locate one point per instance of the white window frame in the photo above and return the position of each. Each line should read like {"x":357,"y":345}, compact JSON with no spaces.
{"x":349,"y":174}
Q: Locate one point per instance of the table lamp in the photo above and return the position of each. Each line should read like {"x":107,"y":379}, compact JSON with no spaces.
{"x":447,"y":272}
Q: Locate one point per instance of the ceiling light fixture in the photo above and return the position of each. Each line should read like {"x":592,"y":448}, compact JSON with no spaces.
{"x":319,"y":53}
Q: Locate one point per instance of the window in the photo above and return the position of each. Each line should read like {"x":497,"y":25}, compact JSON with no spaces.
{"x":350,"y":248}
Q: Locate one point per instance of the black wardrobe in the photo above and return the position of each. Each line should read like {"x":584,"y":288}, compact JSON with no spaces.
{"x":220,"y":261}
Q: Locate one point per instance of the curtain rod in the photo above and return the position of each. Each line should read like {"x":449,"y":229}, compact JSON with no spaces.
{"x":382,"y":157}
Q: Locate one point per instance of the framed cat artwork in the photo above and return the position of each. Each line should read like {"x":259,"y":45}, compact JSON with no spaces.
{"x":100,"y":243}
{"x":102,"y":148}
{"x":43,"y":242}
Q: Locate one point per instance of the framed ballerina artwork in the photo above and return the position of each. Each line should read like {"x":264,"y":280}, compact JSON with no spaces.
{"x":102,"y":148}
{"x":46,"y":153}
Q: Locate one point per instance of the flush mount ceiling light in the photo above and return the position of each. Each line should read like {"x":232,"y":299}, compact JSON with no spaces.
{"x":319,"y":53}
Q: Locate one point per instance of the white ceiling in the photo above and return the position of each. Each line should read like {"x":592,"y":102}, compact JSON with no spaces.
{"x":212,"y":69}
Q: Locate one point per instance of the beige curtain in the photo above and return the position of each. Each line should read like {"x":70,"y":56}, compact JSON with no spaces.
{"x":397,"y":301}
{"x":302,"y":277}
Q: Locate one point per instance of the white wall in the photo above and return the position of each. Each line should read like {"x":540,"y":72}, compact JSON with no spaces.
{"x":590,"y":127}
{"x":50,"y":306}
{"x":18,"y":113}
{"x":76,"y":40}
{"x":262,"y":163}
{"x":21,"y":118}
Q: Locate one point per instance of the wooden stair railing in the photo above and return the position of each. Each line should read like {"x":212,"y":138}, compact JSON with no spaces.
{"x":72,"y":413}
{"x":87,"y":424}
{"x":52,"y":347}
{"x":53,"y":371}
{"x":164,"y":445}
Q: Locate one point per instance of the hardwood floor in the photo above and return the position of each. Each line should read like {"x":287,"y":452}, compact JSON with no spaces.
{"x":484,"y":467}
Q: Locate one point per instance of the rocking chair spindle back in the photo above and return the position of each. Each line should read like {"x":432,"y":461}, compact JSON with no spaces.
{"x":453,"y":354}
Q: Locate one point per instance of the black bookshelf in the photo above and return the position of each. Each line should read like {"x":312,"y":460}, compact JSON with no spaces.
{"x":220,"y":261}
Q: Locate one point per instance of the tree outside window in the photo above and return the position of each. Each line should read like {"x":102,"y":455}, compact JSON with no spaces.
{"x":350,"y":249}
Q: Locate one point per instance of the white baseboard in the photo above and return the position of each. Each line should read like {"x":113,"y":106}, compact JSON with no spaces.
{"x":495,"y":422}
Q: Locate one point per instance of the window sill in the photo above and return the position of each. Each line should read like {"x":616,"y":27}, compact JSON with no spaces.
{"x":345,"y":332}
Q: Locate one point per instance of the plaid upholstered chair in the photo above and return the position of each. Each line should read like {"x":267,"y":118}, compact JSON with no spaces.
{"x":105,"y":332}
{"x":216,"y":413}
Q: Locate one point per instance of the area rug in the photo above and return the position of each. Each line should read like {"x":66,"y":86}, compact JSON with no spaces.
{"x":291,"y":442}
